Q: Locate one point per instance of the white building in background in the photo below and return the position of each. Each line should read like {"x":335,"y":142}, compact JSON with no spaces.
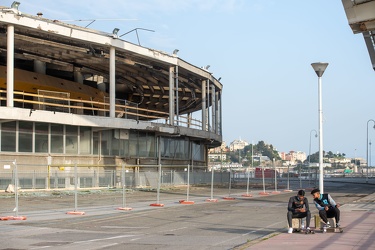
{"x":218,"y":150}
{"x":214,"y":157}
{"x":293,"y":156}
{"x":238,"y":144}
{"x":298,"y":156}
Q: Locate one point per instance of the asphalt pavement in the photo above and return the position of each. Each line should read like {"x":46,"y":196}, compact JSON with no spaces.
{"x":357,"y":220}
{"x":212,"y":219}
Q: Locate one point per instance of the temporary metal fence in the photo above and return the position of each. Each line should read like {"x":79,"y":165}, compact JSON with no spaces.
{"x":94,"y":176}
{"x":139,"y":176}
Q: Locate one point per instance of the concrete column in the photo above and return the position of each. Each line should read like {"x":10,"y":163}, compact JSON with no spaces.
{"x":189,"y":120}
{"x":78,"y":77}
{"x":218,"y":113}
{"x":208,"y":105}
{"x":177,"y":106}
{"x":171,"y":95}
{"x":10,"y":66}
{"x":39,"y":67}
{"x":100,"y":83}
{"x":213,"y":108}
{"x":204,"y":109}
{"x":112,"y":82}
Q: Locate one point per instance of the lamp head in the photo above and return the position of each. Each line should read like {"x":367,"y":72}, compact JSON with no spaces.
{"x":15,"y":5}
{"x":175,"y":52}
{"x":319,"y":68}
{"x":114,"y":32}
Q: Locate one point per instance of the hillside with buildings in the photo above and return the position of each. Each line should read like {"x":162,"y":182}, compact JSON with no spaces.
{"x":240,"y":155}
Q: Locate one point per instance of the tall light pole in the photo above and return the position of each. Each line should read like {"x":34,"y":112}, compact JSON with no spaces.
{"x":371,"y":120}
{"x":370,"y":155}
{"x":316,"y":135}
{"x":319,"y":69}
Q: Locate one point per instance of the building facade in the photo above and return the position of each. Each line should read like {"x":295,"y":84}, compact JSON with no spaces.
{"x":238,"y":144}
{"x":72,"y":95}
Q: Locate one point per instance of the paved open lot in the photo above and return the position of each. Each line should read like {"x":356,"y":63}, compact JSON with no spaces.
{"x":226,"y":224}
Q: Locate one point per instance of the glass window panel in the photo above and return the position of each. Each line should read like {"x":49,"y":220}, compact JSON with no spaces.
{"x":25,"y":127}
{"x":96,"y":141}
{"x":152,"y":147}
{"x":125,"y":148}
{"x":198,"y":152}
{"x":116,"y":146}
{"x":182,"y":149}
{"x":57,"y":139}
{"x":85,"y":140}
{"x":8,"y":126}
{"x":172,"y":148}
{"x":57,"y":145}
{"x":8,"y":136}
{"x":41,"y":143}
{"x":71,"y":130}
{"x":106,"y":142}
{"x":142,"y":145}
{"x":25,"y":142}
{"x":71,"y":144}
{"x":71,"y":139}
{"x":57,"y":129}
{"x":133,"y":144}
{"x":41,"y":137}
{"x":8,"y":141}
{"x":41,"y":128}
{"x":25,"y":136}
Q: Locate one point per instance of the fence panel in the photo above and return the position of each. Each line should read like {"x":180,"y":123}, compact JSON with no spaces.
{"x":62,"y":177}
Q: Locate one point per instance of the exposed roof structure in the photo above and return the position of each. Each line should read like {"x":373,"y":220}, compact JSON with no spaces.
{"x":142,"y":74}
{"x":361,"y":18}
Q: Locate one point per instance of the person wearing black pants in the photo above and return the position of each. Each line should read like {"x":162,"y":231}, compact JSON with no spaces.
{"x":298,"y":207}
{"x":327,"y":207}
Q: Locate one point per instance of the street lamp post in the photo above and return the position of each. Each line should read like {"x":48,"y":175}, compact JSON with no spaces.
{"x":319,"y":69}
{"x":367,"y":148}
{"x":369,"y":156}
{"x":316,"y":135}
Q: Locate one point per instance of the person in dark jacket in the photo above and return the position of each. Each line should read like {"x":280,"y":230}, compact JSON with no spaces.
{"x":327,"y":207}
{"x":298,"y":207}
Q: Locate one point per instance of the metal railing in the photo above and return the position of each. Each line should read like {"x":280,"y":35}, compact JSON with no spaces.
{"x":61,"y":102}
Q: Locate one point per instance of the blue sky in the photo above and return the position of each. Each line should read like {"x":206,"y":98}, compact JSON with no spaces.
{"x":262,"y":50}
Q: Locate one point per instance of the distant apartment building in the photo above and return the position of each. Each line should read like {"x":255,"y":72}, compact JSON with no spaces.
{"x":216,"y":157}
{"x":238,"y":144}
{"x":293,"y":156}
{"x":218,"y":150}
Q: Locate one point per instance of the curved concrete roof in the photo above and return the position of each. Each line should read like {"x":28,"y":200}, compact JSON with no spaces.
{"x":142,"y":74}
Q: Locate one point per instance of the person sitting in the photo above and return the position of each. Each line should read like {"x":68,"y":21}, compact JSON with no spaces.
{"x":298,"y":207}
{"x":327,"y":207}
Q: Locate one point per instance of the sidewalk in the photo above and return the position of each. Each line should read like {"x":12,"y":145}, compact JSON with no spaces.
{"x":358,"y":221}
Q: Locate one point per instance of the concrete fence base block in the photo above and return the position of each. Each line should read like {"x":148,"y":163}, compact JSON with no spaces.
{"x":229,"y":198}
{"x":247,"y":195}
{"x":75,"y":213}
{"x":124,"y":208}
{"x":211,"y":200}
{"x":157,"y":205}
{"x":10,"y":188}
{"x":186,"y":202}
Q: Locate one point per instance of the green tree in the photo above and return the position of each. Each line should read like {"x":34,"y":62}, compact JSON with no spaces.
{"x":314,"y":158}
{"x":267,"y":150}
